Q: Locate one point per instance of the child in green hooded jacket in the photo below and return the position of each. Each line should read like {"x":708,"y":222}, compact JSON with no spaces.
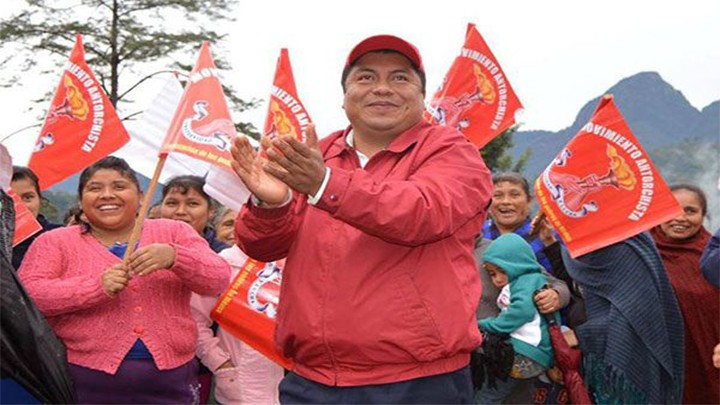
{"x":513,"y":267}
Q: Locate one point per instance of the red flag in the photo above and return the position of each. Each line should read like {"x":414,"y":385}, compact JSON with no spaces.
{"x":248,"y":308}
{"x":25,"y":223}
{"x":476,"y":96}
{"x":81,"y":126}
{"x":286,"y":113}
{"x":602,"y":187}
{"x":202,"y":127}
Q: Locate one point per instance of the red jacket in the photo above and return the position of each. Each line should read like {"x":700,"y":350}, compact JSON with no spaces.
{"x":380,"y":283}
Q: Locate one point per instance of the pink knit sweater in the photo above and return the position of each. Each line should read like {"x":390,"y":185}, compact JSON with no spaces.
{"x":62,"y":273}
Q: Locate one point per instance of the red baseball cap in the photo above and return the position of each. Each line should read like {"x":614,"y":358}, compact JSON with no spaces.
{"x":381,"y":42}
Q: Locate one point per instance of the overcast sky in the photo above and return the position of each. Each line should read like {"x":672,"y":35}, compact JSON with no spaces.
{"x":557,"y":55}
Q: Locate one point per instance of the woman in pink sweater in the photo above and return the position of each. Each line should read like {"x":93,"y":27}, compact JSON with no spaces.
{"x":242,"y":375}
{"x":128,"y":330}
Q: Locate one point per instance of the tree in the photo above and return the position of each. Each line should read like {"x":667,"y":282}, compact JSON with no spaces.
{"x":123,"y":38}
{"x":496,"y":158}
{"x":55,"y":204}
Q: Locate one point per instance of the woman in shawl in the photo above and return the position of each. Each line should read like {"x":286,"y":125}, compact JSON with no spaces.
{"x":633,"y":337}
{"x":681,"y":242}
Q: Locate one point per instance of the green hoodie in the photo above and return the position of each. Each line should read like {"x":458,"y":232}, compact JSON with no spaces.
{"x":516,"y":258}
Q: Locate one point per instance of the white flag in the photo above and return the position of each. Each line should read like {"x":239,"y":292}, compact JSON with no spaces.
{"x":226,"y":187}
{"x":6,"y":169}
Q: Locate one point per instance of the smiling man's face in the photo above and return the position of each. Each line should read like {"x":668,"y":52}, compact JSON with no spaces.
{"x":383,"y":95}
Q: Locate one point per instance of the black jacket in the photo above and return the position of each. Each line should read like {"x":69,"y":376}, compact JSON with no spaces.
{"x":19,"y":251}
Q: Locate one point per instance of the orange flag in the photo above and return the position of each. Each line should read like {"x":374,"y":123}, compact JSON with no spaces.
{"x":247,"y":309}
{"x":602,"y":187}
{"x":202,"y":127}
{"x":81,"y":126}
{"x":25,"y":223}
{"x":286,"y":113}
{"x":476,"y":96}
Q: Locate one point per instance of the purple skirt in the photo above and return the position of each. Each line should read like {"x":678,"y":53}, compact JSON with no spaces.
{"x":137,"y":382}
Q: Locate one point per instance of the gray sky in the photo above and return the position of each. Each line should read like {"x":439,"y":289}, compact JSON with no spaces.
{"x":556,"y":54}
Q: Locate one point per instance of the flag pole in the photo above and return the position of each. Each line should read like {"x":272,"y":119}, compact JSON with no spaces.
{"x":144,"y":208}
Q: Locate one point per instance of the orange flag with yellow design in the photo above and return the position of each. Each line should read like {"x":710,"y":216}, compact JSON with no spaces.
{"x":602,"y":187}
{"x":202,"y":127}
{"x":286,"y":114}
{"x":476,"y":96}
{"x":81,"y":126}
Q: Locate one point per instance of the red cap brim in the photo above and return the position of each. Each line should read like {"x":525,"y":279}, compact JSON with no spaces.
{"x":389,"y":42}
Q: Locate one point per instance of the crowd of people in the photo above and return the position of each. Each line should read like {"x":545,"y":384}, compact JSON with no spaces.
{"x":401,"y":255}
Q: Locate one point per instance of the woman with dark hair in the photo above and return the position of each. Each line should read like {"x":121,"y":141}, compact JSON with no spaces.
{"x":509,"y":209}
{"x":681,"y":242}
{"x":27,"y":186}
{"x":184,"y":199}
{"x":510,"y":213}
{"x":128,"y":330}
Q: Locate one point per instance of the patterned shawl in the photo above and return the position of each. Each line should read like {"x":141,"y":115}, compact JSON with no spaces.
{"x":633,"y":338}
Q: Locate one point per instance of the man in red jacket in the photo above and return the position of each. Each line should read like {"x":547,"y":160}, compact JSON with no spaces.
{"x":378,"y":223}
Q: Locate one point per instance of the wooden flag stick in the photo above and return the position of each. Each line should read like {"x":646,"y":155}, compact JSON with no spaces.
{"x":144,"y":208}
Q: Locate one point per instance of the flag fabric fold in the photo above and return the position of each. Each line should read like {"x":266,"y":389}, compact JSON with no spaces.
{"x":226,"y":188}
{"x":248,"y":308}
{"x":602,"y":187}
{"x":81,"y":126}
{"x":476,"y":96}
